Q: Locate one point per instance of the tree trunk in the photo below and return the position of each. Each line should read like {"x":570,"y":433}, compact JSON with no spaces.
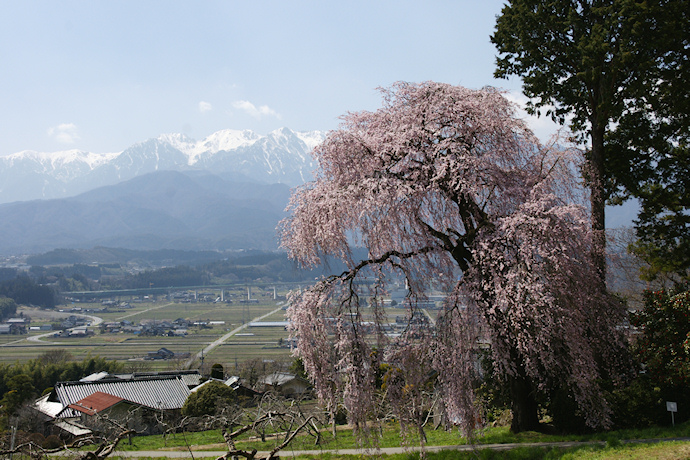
{"x":598,"y":201}
{"x":422,"y":434}
{"x":334,"y":430}
{"x":523,"y":405}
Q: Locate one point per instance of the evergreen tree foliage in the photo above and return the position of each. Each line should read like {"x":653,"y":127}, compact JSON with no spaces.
{"x":617,"y":73}
{"x":663,"y":345}
{"x":23,"y":290}
{"x":179,"y":276}
{"x":43,"y":372}
{"x":8,"y":307}
{"x":19,"y":390}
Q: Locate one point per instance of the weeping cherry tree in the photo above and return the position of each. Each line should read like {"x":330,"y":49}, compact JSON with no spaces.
{"x":445,"y":187}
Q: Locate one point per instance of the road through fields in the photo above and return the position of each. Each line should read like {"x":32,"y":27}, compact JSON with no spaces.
{"x":222,"y":339}
{"x":95,"y":320}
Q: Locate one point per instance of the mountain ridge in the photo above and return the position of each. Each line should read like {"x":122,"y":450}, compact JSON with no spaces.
{"x":282,"y":156}
{"x":191,"y":210}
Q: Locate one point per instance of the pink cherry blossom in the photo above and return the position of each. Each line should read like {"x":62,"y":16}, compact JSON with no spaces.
{"x":445,"y":187}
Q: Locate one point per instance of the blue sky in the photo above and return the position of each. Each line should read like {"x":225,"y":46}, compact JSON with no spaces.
{"x":102,"y":75}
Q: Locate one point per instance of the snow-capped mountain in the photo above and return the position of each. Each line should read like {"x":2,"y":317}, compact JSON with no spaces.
{"x":282,"y":156}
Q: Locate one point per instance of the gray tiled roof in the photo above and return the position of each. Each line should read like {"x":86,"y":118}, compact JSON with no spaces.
{"x":191,"y":377}
{"x":158,"y":393}
{"x":277,"y":378}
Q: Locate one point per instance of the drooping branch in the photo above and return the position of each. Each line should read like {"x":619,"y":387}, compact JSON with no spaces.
{"x":104,"y":449}
{"x":289,"y":439}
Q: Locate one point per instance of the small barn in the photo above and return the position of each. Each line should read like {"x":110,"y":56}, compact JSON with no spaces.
{"x":285,"y":383}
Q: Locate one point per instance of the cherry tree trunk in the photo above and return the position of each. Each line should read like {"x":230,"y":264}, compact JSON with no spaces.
{"x":523,"y":405}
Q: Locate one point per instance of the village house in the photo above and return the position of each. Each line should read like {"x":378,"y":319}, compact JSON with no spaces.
{"x":73,"y":321}
{"x":15,"y":326}
{"x":112,"y":327}
{"x":164,"y":353}
{"x":140,"y":401}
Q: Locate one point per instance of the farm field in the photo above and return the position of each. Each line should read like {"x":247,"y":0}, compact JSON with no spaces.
{"x":229,"y":319}
{"x":219,"y":317}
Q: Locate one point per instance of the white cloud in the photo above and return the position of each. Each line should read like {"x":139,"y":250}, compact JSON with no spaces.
{"x":205,"y":106}
{"x":65,"y":133}
{"x":256,"y":112}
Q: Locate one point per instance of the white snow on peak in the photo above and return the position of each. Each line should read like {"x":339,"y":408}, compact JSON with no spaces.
{"x":280,"y":146}
{"x":281,"y":136}
{"x":179,"y":141}
{"x":311,"y":138}
{"x":55,"y":159}
{"x":229,"y":139}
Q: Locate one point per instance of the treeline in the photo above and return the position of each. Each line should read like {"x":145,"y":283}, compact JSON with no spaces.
{"x":83,"y":277}
{"x":271,"y":267}
{"x":39,"y":374}
{"x":25,"y":291}
{"x":103,"y":255}
{"x":266,"y":267}
{"x":93,"y":272}
{"x":7,"y":274}
{"x":42,"y":285}
{"x":8,"y":307}
{"x":165,"y":277}
{"x":77,"y":277}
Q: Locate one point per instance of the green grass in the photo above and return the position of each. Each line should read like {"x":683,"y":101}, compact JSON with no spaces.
{"x":613,"y":449}
{"x":212,"y":440}
{"x":668,"y":451}
{"x":661,"y":451}
{"x":156,"y":442}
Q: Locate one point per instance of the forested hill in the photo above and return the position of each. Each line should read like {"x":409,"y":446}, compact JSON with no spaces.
{"x":168,"y":209}
{"x":109,"y":268}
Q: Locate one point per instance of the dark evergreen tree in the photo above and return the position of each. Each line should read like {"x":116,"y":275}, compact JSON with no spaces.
{"x":25,"y":291}
{"x":608,"y":63}
{"x":8,"y":307}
